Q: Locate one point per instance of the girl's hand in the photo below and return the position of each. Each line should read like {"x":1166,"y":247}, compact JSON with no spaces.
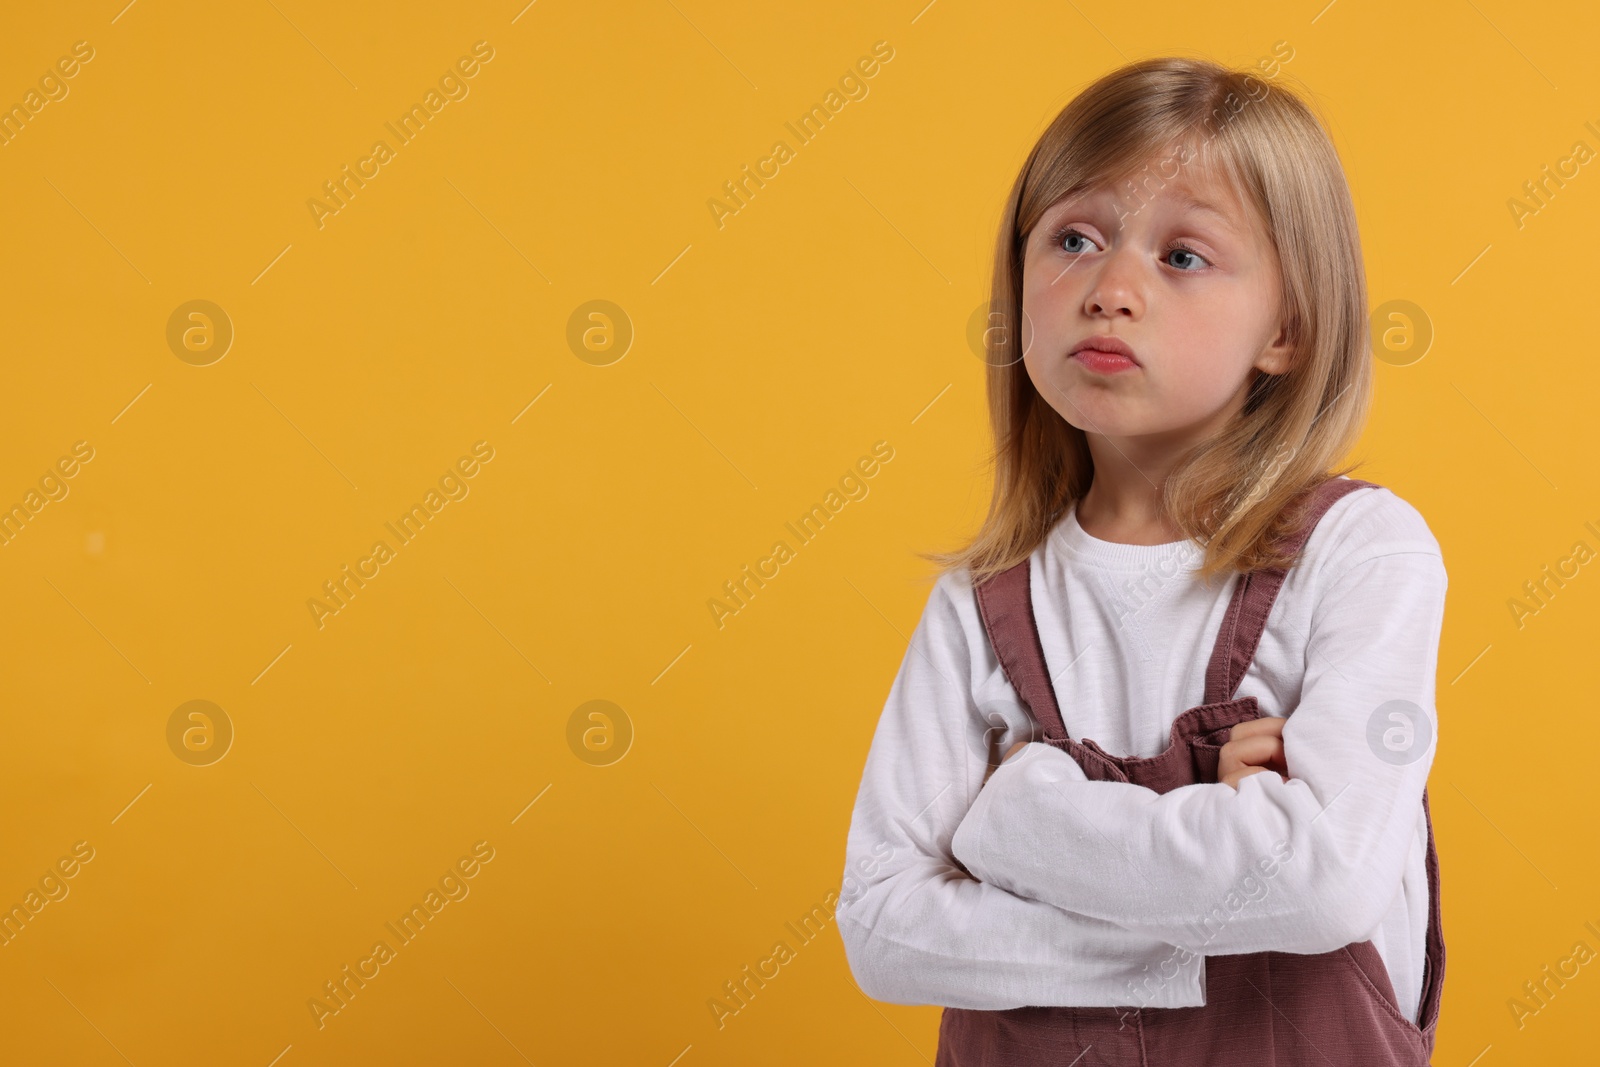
{"x":1253,"y":747}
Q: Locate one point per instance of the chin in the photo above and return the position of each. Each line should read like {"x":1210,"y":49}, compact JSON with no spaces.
{"x":1094,"y":410}
{"x":1111,"y":425}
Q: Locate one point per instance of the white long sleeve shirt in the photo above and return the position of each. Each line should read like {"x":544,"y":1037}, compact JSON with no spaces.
{"x":1102,"y":894}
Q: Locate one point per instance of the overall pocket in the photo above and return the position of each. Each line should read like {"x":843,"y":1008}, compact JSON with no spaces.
{"x":1363,"y":959}
{"x":1206,"y":751}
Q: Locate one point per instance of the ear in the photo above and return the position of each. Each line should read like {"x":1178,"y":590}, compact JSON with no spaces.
{"x":1276,"y":357}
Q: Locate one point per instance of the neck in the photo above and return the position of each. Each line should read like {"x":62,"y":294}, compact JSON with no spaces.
{"x":1123,"y":502}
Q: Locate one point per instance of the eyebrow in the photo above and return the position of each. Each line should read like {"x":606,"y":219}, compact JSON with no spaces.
{"x":1192,"y":203}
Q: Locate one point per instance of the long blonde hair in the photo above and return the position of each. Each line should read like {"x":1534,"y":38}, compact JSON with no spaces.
{"x":1240,"y":493}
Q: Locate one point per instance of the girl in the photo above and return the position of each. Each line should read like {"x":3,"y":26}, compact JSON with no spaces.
{"x":1151,"y":777}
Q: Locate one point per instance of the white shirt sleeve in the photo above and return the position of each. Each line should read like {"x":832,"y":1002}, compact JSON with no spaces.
{"x":1308,"y":865}
{"x":917,"y":929}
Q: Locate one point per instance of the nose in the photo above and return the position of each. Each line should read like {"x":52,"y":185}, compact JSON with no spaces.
{"x":1116,"y":287}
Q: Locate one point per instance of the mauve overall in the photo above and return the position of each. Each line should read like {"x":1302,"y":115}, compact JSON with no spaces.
{"x":1334,"y":1009}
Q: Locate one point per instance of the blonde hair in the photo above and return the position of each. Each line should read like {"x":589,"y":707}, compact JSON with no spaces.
{"x":1242,"y":492}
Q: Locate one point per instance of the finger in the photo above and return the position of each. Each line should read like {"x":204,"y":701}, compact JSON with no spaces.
{"x":1267,"y":724}
{"x":1244,"y":772}
{"x":1233,"y":779}
{"x":1270,"y":755}
{"x":1231,"y":761}
{"x":1248,"y":771}
{"x":1254,"y":751}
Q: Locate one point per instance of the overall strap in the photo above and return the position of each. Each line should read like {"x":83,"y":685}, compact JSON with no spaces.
{"x":1433,"y":978}
{"x":1253,"y":596}
{"x":1005,"y":603}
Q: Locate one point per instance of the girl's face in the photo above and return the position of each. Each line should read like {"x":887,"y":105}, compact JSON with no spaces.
{"x":1187,"y":278}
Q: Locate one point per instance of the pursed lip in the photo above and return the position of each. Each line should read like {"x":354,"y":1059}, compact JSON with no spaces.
{"x":1106,"y":344}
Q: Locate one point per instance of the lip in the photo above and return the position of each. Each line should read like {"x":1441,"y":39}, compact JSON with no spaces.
{"x":1104,"y":354}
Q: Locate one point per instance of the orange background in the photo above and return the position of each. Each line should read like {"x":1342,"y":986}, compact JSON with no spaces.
{"x":432,"y":311}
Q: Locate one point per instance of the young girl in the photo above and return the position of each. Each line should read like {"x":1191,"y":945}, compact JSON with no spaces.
{"x":1151,"y":778}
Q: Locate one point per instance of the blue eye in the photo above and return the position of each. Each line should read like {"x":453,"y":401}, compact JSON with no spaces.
{"x":1180,"y":249}
{"x":1070,"y":234}
{"x":1061,"y":235}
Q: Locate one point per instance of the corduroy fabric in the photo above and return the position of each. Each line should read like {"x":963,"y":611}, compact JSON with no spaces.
{"x":1263,"y":1009}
